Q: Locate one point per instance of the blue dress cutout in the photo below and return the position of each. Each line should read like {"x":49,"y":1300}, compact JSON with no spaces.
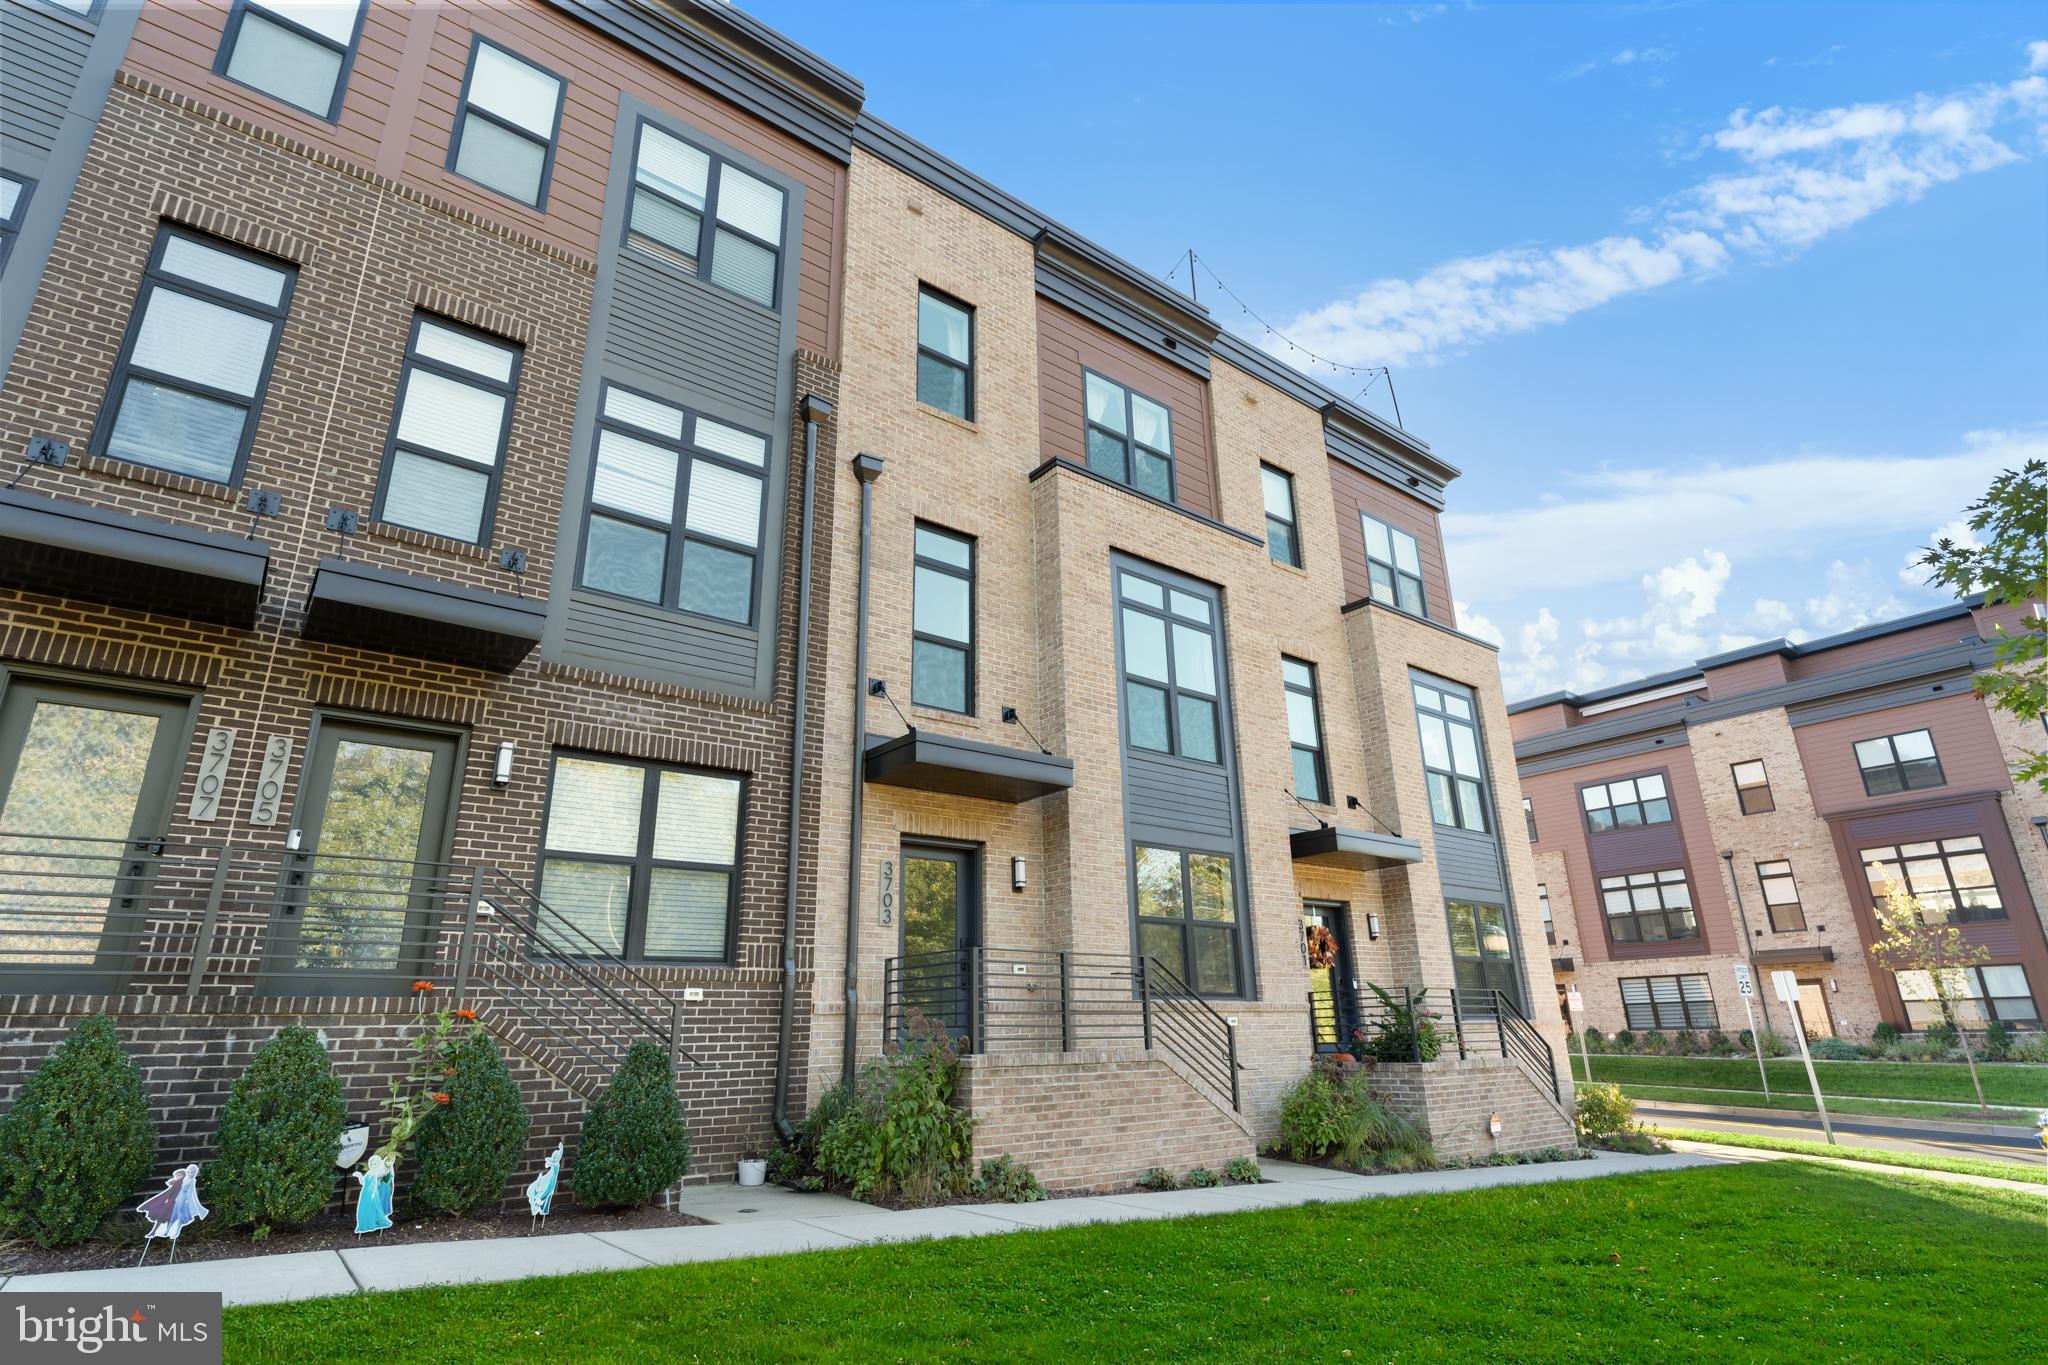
{"x":540,"y":1194}
{"x":373,"y":1203}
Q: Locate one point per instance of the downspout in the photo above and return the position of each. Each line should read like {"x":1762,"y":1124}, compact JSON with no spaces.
{"x":1748,"y":939}
{"x":814,"y":408}
{"x":866,"y":468}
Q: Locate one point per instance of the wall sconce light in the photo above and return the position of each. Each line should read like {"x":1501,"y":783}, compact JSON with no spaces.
{"x":503,"y":775}
{"x":1372,"y":927}
{"x":1493,"y":1123}
{"x":1833,"y":989}
{"x":1017,"y":874}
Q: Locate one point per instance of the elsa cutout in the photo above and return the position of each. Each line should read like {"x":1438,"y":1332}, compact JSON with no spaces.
{"x":540,"y":1194}
{"x":171,"y":1208}
{"x":373,"y":1202}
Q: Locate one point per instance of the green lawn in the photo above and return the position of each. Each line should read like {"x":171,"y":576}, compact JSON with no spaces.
{"x":1801,"y":1101}
{"x":1767,"y":1261}
{"x":1915,"y":1161}
{"x":2004,"y":1082}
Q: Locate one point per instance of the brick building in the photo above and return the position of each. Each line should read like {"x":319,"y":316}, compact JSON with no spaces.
{"x":1733,"y":812}
{"x":470,"y":461}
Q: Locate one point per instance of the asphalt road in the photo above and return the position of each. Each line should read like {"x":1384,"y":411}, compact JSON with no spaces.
{"x":1860,"y":1130}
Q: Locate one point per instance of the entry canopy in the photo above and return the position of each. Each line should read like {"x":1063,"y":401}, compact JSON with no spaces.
{"x":372,"y":608}
{"x":965,"y":767}
{"x":124,"y":559}
{"x":1333,"y":846}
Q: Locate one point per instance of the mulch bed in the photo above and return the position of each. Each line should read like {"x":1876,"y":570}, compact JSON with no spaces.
{"x":120,"y":1243}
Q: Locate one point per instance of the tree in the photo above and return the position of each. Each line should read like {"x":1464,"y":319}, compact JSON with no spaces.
{"x":273,"y":1163}
{"x":2010,"y":567}
{"x":1908,"y":942}
{"x":469,"y":1141}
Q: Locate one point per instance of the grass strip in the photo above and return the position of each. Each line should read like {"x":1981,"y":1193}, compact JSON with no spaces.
{"x":2012,"y":1083}
{"x":1802,"y":1102}
{"x":1916,"y":1161}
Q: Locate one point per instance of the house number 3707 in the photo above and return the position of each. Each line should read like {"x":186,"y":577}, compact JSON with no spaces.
{"x":213,"y":774}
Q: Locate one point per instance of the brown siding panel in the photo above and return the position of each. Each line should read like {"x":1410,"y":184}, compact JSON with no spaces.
{"x":1963,"y":740}
{"x":1358,"y":492}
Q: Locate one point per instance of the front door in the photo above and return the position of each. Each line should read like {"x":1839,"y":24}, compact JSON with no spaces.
{"x":1813,"y":1010}
{"x":86,"y":783}
{"x":361,"y":890}
{"x":940,"y":895}
{"x":1330,"y":1005}
{"x":1482,"y":950}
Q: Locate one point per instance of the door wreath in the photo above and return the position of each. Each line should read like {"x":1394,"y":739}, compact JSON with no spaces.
{"x":1322,"y":947}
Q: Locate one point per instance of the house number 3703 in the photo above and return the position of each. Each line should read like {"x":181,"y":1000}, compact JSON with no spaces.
{"x":885,"y":907}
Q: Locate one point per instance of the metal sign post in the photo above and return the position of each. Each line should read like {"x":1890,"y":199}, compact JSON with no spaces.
{"x":1745,"y":988}
{"x":1575,"y":1002}
{"x":1787,"y":987}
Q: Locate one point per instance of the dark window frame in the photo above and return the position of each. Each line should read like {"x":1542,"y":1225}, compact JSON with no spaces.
{"x":1897,"y":765}
{"x":1129,"y":439}
{"x":487,"y":522}
{"x":1640,"y":804}
{"x":1693,"y":1012}
{"x":10,"y":226}
{"x":231,"y":34}
{"x":1664,"y":913}
{"x":1962,"y":914}
{"x":971,"y":575}
{"x":925,"y":352}
{"x":1984,"y":1001}
{"x":688,"y":452}
{"x":1395,"y":573}
{"x":154,"y":277}
{"x":1796,"y":908}
{"x":698,"y":266}
{"x":1172,"y":687}
{"x":1483,"y":802}
{"x":91,"y":17}
{"x":1742,"y":791}
{"x":463,"y":109}
{"x":1187,"y":921}
{"x":1529,"y":817}
{"x":1318,"y":755}
{"x":643,"y":862}
{"x":1548,"y":915}
{"x":1292,"y":521}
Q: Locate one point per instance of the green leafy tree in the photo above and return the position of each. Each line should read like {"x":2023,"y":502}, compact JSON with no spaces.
{"x":2010,"y":567}
{"x":77,"y":1141}
{"x":634,"y":1143}
{"x":474,"y":1131}
{"x":1908,"y":941}
{"x":273,"y":1163}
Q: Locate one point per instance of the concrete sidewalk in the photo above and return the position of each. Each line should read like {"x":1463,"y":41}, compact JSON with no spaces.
{"x":768,"y":1221}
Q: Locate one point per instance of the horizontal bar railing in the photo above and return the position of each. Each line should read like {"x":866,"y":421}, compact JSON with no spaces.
{"x":1466,"y":1022}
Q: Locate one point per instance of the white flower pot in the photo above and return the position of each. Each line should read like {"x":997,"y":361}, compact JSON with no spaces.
{"x":753,"y":1172}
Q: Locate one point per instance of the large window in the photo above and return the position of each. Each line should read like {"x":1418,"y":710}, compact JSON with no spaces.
{"x":675,"y":508}
{"x":942,"y":621}
{"x":1130,"y":437}
{"x":14,"y":193}
{"x":1543,"y":908}
{"x":1628,"y":804}
{"x":1283,"y":537}
{"x":1950,"y":879}
{"x":448,"y":435}
{"x":1781,"y":896}
{"x":945,"y":353}
{"x":2003,"y":989}
{"x":506,"y":124}
{"x":1649,"y":907}
{"x":189,"y":383}
{"x":1753,"y":787}
{"x":297,"y":51}
{"x":677,"y":185}
{"x":1187,"y":917}
{"x":1169,"y":656}
{"x":1305,"y":730}
{"x":1393,"y":563}
{"x":1450,"y":757}
{"x":1677,"y":1002}
{"x":1482,"y":950}
{"x":642,"y":860}
{"x":1898,"y":763}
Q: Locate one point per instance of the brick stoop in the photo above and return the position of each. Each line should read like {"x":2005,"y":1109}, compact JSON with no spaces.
{"x":1098,"y":1119}
{"x":1457,"y":1099}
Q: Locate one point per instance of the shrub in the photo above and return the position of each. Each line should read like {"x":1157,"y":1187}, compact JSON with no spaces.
{"x":1998,"y":1041}
{"x":899,"y":1137}
{"x":1686,"y":1043}
{"x":273,"y":1161}
{"x":2033,"y":1048}
{"x":1720,"y":1044}
{"x":1835,"y":1050}
{"x":77,"y":1140}
{"x":1405,"y":1030}
{"x":1653,"y":1043}
{"x":1942,"y":1036}
{"x":1640,"y":1141}
{"x":1310,"y":1119}
{"x":1625,"y":1040}
{"x":1004,"y":1180}
{"x":1593,"y":1042}
{"x":796,"y":1160}
{"x":1884,"y":1035}
{"x":1158,"y":1178}
{"x":466,"y":1147}
{"x":1604,"y":1111}
{"x":1202,"y":1178}
{"x":634,"y":1143}
{"x":1774,"y":1046}
{"x":1244,"y":1170}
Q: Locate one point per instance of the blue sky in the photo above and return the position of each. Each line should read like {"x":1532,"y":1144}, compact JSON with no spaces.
{"x":1723,"y":308}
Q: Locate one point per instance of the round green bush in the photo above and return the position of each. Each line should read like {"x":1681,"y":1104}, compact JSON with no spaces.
{"x":634,"y":1142}
{"x":77,"y":1141}
{"x":1604,"y":1112}
{"x":273,"y":1164}
{"x":1884,"y":1035}
{"x":1834,"y":1050}
{"x":464,"y":1150}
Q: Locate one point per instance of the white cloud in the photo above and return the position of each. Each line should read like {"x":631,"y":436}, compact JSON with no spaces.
{"x":1806,"y":173}
{"x":2037,"y":56}
{"x":1913,"y":573}
{"x":1472,"y":623}
{"x":1628,"y":56}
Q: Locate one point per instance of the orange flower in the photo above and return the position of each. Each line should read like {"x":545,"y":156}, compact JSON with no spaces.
{"x":466,"y":1014}
{"x":440,"y":1097}
{"x":420,"y":986}
{"x":447,"y":1071}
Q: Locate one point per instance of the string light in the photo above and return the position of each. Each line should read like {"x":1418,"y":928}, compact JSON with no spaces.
{"x":1371,"y":371}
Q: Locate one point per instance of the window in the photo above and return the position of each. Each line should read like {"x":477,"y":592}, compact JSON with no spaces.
{"x":1543,"y":908}
{"x":675,"y":508}
{"x":1753,"y":787}
{"x":1628,"y":804}
{"x":2004,"y":988}
{"x":14,"y":193}
{"x":1649,"y":907}
{"x":1949,"y":878}
{"x":1450,"y":757}
{"x":84,"y":9}
{"x":506,"y":123}
{"x":677,"y":185}
{"x":641,"y":860}
{"x":1130,"y":437}
{"x":942,"y":621}
{"x":1305,"y":730}
{"x":1679,"y":1002}
{"x":448,"y":434}
{"x":945,"y":353}
{"x":1393,"y":563}
{"x":297,"y":51}
{"x":1898,"y":763}
{"x":1781,"y":897}
{"x":1169,"y":648}
{"x":189,"y":383}
{"x":1283,"y":540}
{"x":1529,"y":817}
{"x":1187,"y":916}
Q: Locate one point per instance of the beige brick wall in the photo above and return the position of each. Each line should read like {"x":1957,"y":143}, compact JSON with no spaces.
{"x":1458,"y":1101}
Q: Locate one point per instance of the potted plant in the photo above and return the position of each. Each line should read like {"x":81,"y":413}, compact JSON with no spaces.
{"x":753,"y":1168}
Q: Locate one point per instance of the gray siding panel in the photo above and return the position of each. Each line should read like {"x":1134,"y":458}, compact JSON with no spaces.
{"x":41,"y":57}
{"x":1469,"y":865}
{"x":613,"y":637}
{"x":1178,"y":802}
{"x":662,"y":326}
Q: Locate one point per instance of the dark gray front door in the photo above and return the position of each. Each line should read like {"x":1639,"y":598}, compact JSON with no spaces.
{"x":1332,"y":1009}
{"x":360,"y":893}
{"x":940,"y":894}
{"x":86,"y":782}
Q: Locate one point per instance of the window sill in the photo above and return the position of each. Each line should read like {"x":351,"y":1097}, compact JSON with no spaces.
{"x":426,"y":540}
{"x":967,"y":424}
{"x":162,"y":478}
{"x":1083,"y":471}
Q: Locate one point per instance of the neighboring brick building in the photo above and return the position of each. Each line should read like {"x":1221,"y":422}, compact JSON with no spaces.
{"x":1730,"y":813}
